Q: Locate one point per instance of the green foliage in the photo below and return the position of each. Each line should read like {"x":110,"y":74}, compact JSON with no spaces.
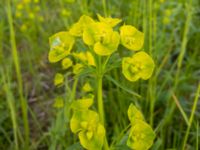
{"x":92,"y":75}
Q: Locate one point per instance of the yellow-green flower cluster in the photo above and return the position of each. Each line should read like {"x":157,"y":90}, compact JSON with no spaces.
{"x":97,"y":39}
{"x":140,"y":65}
{"x":102,"y":39}
{"x":167,"y":16}
{"x":141,"y":135}
{"x":98,"y":35}
{"x":65,"y":12}
{"x":86,"y":124}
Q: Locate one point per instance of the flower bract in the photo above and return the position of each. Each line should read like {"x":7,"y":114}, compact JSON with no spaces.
{"x":77,"y":28}
{"x":102,"y":37}
{"x":141,"y":135}
{"x":131,"y":38}
{"x":140,"y":65}
{"x":66,"y":63}
{"x":86,"y":124}
{"x":58,"y":79}
{"x":85,"y":57}
{"x":60,"y":46}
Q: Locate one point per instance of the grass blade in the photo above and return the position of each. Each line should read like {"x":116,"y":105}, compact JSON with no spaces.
{"x":191,"y":117}
{"x":18,"y":73}
{"x":123,"y":87}
{"x":11,"y":105}
{"x":180,"y":108}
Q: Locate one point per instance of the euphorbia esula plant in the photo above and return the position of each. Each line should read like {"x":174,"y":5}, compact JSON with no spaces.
{"x":87,"y":48}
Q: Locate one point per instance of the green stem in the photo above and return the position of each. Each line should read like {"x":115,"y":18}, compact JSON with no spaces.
{"x":73,"y":94}
{"x":100,"y":99}
{"x":191,"y":117}
{"x":18,"y":74}
{"x":197,"y":138}
{"x":99,"y":78}
{"x":152,"y":80}
{"x":11,"y":105}
{"x":120,"y":136}
{"x":105,"y":63}
{"x":101,"y":106}
{"x":104,"y":8}
{"x":171,"y":106}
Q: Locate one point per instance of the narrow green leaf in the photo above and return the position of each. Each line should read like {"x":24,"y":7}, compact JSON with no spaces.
{"x":123,"y":87}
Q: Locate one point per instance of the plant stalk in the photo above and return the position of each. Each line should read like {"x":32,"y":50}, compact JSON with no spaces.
{"x":104,"y":8}
{"x":100,"y":99}
{"x":191,"y":117}
{"x":11,"y":105}
{"x":101,"y":106}
{"x":15,"y":56}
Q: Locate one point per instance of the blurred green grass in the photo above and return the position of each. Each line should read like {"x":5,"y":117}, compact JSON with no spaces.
{"x":172,"y":34}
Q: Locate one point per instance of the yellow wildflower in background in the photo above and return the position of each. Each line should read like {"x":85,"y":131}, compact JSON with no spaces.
{"x":36,"y":1}
{"x":23,"y":27}
{"x":20,"y":6}
{"x":26,"y":1}
{"x":18,"y":14}
{"x":87,"y":87}
{"x":162,"y":1}
{"x":31,"y":15}
{"x":58,"y":102}
{"x":65,"y":12}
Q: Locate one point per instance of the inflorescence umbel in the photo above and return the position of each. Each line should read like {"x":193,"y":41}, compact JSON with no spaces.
{"x":89,"y":44}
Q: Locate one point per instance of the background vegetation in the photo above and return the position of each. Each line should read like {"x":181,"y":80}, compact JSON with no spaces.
{"x":169,"y":100}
